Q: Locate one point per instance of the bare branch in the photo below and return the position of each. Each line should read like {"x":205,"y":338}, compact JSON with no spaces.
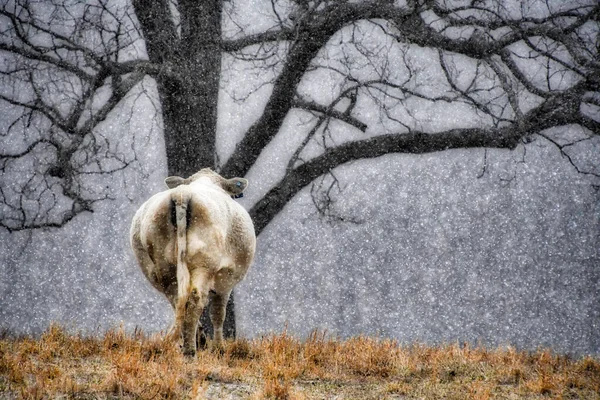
{"x":414,"y":143}
{"x":121,"y":91}
{"x":312,"y":106}
{"x":158,"y":27}
{"x":233,"y":45}
{"x":510,"y":75}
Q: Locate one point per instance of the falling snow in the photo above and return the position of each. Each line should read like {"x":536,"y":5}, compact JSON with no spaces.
{"x":495,"y":247}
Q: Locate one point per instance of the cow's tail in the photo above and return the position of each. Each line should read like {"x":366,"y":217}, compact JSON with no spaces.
{"x":180,"y":212}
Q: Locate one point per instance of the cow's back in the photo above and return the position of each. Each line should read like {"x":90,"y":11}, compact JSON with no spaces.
{"x":153,"y":241}
{"x":220,"y":236}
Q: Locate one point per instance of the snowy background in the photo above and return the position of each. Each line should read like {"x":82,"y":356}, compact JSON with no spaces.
{"x":437,"y":253}
{"x":495,"y":248}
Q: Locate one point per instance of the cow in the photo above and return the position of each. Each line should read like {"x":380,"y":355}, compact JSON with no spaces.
{"x":194,"y":243}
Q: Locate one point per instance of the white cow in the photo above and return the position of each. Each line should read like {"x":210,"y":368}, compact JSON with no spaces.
{"x":194,"y":241}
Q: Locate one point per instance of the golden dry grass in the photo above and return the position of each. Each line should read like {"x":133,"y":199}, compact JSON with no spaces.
{"x":120,"y":365}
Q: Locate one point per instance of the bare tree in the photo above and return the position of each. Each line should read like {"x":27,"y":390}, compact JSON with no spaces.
{"x":358,"y":75}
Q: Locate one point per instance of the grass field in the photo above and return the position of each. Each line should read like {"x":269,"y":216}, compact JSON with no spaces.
{"x":137,"y":366}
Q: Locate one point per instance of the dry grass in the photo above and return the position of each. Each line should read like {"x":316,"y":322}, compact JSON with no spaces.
{"x":119,"y":365}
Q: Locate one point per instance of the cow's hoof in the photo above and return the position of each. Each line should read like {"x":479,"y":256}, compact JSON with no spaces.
{"x":201,"y":341}
{"x":189,"y":353}
{"x":220,"y":350}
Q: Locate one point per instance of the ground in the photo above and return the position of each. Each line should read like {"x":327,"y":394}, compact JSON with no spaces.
{"x":137,"y":366}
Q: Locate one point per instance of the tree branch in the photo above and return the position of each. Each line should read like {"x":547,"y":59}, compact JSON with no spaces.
{"x":232,"y":45}
{"x":561,"y":109}
{"x":310,"y":39}
{"x":312,"y":106}
{"x":319,"y":28}
{"x":117,"y":95}
{"x":64,"y":65}
{"x":413,"y":143}
{"x":158,"y":28}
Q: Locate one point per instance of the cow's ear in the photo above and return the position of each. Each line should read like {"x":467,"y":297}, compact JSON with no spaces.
{"x":174,"y":181}
{"x":235,"y":186}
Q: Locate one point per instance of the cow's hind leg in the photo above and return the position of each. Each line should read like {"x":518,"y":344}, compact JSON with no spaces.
{"x":218,"y":306}
{"x":191,"y":326}
{"x":174,"y":332}
{"x":200,"y":337}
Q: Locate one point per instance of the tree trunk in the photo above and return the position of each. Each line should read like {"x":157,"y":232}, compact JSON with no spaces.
{"x":190,"y":100}
{"x":188,"y":88}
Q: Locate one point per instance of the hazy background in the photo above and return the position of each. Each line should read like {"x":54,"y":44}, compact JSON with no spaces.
{"x":492,"y":247}
{"x":435,"y":254}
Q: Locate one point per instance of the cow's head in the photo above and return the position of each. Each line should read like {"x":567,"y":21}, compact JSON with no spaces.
{"x":233,"y":186}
